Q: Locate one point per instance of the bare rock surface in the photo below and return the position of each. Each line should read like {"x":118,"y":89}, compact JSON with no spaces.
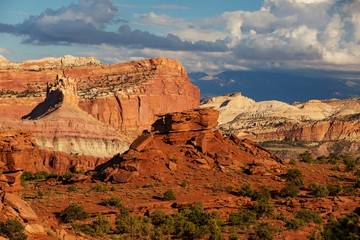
{"x":24,"y":210}
{"x":315,"y":120}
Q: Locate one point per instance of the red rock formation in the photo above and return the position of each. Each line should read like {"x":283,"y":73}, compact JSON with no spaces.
{"x":326,"y":130}
{"x":63,"y":91}
{"x":208,"y":149}
{"x":192,"y":120}
{"x":126,"y":96}
{"x":19,"y":151}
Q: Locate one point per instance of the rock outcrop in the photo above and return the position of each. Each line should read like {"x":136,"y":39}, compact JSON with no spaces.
{"x":63,"y":91}
{"x":19,"y":151}
{"x":273,"y":120}
{"x":92,"y":109}
{"x":191,"y":120}
{"x":154,"y":153}
{"x":126,"y":96}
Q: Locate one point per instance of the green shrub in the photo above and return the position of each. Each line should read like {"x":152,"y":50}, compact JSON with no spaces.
{"x":229,"y":188}
{"x":306,"y":157}
{"x":101,"y":225}
{"x":295,"y":176}
{"x":244,"y":219}
{"x":184,"y":183}
{"x":333,"y":158}
{"x":308,"y":216}
{"x":319,"y":190}
{"x":246,"y":190}
{"x":83,"y":228}
{"x":100,"y":188}
{"x":292,"y":162}
{"x":72,"y":188}
{"x":346,"y":228}
{"x":349,"y":191}
{"x":39,"y":194}
{"x":52,"y":175}
{"x":263,"y":232}
{"x":195,"y":223}
{"x":264,"y":209}
{"x":66,"y":177}
{"x":350,"y":163}
{"x":294,"y":224}
{"x":334,"y":190}
{"x":290,"y":190}
{"x":136,"y":227}
{"x":169,"y":195}
{"x":321,"y":159}
{"x":164,"y":223}
{"x":263,"y":195}
{"x":234,"y":236}
{"x":113,"y":202}
{"x":357,"y":182}
{"x":42,"y":175}
{"x":73,"y":212}
{"x":113,"y":188}
{"x":26,"y":176}
{"x":12,"y":229}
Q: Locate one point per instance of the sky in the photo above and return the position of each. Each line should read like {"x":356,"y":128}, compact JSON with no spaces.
{"x":205,"y":36}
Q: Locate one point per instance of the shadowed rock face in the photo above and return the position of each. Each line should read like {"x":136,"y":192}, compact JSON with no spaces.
{"x":64,"y":90}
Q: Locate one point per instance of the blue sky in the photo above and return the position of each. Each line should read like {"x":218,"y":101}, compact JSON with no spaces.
{"x":209,"y":36}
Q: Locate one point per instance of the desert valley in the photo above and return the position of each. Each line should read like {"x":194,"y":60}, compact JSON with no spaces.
{"x":130,"y":151}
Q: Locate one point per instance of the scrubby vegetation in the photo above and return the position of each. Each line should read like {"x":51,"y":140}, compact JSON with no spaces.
{"x":13,"y":230}
{"x":73,"y":212}
{"x":347,"y":227}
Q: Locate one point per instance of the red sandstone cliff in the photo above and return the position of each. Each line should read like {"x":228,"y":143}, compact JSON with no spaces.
{"x":19,"y":151}
{"x":87,"y":113}
{"x":126,"y":96}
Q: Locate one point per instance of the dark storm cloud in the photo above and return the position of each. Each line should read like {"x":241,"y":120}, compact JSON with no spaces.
{"x":84,"y":23}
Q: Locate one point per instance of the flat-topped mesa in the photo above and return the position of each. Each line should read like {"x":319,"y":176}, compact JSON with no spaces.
{"x":190,"y":120}
{"x":125,"y":96}
{"x":64,"y":90}
{"x":63,"y":62}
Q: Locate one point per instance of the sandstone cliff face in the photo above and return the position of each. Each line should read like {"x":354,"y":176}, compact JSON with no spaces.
{"x":60,"y":124}
{"x":273,"y":120}
{"x":126,"y":96}
{"x":89,"y":104}
{"x":19,"y":151}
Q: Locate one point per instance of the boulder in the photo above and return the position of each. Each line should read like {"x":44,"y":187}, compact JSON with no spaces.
{"x":191,"y":120}
{"x":22,"y":207}
{"x":141,"y":142}
{"x":35,"y":229}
